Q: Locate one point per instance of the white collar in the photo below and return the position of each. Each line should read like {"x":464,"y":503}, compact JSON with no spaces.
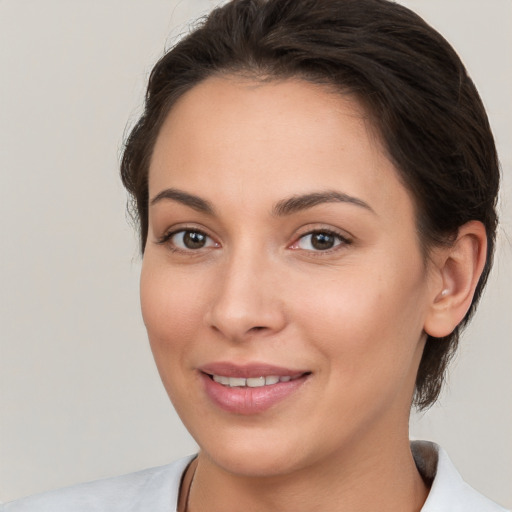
{"x":449,"y":492}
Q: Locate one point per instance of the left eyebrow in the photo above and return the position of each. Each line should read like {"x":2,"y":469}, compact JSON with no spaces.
{"x":303,"y":202}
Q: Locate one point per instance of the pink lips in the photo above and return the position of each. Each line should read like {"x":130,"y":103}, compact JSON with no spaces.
{"x":250,"y":400}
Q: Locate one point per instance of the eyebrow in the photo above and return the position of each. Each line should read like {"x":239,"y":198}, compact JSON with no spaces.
{"x":280,"y":209}
{"x":190,"y":200}
{"x":305,"y":201}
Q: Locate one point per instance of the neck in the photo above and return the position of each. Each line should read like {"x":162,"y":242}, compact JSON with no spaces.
{"x":382,"y":478}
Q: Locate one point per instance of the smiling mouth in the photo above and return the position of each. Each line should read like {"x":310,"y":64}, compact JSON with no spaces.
{"x":253,"y":382}
{"x":250,"y":389}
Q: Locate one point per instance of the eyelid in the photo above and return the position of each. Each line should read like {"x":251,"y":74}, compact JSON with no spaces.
{"x":344,"y":238}
{"x":174,"y":230}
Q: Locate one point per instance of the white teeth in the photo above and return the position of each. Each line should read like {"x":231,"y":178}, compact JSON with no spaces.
{"x":221,"y":379}
{"x":256,"y":382}
{"x":252,"y":382}
{"x":237,"y":382}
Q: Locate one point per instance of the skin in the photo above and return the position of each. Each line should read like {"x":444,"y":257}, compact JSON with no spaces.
{"x":354,"y":315}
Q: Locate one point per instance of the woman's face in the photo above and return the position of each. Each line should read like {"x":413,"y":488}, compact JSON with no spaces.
{"x":282,"y":250}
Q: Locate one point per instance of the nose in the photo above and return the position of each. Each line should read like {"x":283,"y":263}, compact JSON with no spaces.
{"x":247,"y":300}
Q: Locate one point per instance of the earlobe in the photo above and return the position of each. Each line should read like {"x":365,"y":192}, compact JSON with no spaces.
{"x":459,"y":267}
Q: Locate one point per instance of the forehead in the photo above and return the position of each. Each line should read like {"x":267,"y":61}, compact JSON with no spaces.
{"x":290,"y":136}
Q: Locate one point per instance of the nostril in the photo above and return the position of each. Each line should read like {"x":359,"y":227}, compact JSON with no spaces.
{"x":257,"y":328}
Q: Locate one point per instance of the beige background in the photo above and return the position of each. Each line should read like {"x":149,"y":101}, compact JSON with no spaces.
{"x":80,"y":398}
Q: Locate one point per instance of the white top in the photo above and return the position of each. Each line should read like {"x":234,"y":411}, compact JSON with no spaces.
{"x":156,"y":490}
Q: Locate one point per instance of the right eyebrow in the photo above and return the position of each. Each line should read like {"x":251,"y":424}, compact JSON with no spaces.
{"x":195,"y":202}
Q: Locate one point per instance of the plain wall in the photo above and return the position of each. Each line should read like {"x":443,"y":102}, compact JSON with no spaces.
{"x":80,"y":397}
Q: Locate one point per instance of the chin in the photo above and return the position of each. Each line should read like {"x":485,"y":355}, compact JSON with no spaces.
{"x":253,"y":455}
{"x":253,"y":462}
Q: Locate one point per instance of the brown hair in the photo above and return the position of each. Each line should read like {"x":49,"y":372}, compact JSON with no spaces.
{"x":420,"y":98}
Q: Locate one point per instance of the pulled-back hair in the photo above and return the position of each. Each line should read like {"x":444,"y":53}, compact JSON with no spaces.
{"x":415,"y":89}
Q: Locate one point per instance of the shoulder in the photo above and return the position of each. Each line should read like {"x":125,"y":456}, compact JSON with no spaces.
{"x":154,"y":489}
{"x":449,"y":492}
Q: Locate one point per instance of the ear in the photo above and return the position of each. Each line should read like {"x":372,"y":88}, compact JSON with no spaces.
{"x":457,"y":269}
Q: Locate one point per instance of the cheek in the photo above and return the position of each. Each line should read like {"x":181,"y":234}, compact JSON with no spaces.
{"x":171,"y":308}
{"x":369,"y":316}
{"x":172,"y":313}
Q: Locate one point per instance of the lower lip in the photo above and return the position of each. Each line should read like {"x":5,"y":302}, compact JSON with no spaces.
{"x":246,"y":400}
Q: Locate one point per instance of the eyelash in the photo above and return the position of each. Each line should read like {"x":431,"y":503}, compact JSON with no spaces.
{"x":165,"y":239}
{"x":341,"y":239}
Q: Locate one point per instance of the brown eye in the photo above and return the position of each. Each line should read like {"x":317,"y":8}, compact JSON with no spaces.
{"x":319,"y":241}
{"x":191,"y":240}
{"x":322,"y":241}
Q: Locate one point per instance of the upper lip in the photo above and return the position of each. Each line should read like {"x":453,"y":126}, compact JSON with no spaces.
{"x":251,"y":370}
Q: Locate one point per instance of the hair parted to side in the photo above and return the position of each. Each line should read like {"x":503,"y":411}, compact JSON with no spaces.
{"x":413,"y":85}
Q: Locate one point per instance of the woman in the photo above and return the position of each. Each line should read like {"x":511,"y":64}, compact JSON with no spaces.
{"x":316,"y":186}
